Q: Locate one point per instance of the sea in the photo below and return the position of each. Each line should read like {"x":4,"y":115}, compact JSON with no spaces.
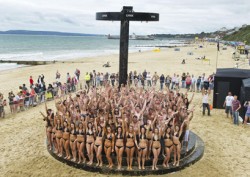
{"x":61,"y":48}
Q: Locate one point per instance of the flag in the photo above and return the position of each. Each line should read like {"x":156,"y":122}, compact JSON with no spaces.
{"x":218,"y":46}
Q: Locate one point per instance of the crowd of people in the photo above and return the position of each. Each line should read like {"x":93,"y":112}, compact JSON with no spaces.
{"x":29,"y":95}
{"x":232,"y":106}
{"x":142,"y":123}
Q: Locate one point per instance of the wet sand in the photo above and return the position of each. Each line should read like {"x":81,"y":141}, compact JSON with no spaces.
{"x":23,"y":148}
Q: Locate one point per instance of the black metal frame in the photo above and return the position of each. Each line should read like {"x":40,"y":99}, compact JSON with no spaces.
{"x":127,"y":14}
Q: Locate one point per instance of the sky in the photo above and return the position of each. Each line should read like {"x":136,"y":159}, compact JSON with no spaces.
{"x":176,"y":16}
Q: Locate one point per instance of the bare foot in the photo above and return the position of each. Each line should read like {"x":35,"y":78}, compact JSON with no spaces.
{"x":139,"y":167}
{"x":156,"y":168}
{"x":128,"y":168}
{"x":164,"y":165}
{"x":143,"y":168}
{"x":97,"y":165}
{"x":84,"y":160}
{"x":177,"y":164}
{"x":100,"y":165}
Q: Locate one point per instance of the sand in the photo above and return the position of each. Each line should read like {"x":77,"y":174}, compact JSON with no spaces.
{"x":22,"y":141}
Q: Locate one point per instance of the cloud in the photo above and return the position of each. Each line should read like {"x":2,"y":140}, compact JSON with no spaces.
{"x":190,"y":16}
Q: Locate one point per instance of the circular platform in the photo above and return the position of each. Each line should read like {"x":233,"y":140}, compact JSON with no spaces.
{"x":195,"y":152}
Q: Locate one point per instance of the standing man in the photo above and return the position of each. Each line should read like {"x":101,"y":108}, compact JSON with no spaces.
{"x":193,"y":83}
{"x":149,"y":82}
{"x":228,"y":104}
{"x":205,"y":94}
{"x":87,"y":79}
{"x":235,"y":108}
{"x":162,"y":80}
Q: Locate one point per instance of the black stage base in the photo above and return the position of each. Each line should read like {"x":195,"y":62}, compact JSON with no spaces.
{"x":195,"y":152}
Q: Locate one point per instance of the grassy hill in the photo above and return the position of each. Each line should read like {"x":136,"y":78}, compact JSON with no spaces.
{"x":242,"y":35}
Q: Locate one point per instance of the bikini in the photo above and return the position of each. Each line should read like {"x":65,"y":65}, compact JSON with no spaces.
{"x":177,"y":136}
{"x":99,"y":135}
{"x":90,"y":134}
{"x":141,"y":138}
{"x":121,"y":137}
{"x":165,"y":138}
{"x":80,"y":133}
{"x":156,"y":140}
{"x":108,"y":138}
{"x":74,"y":133}
{"x":67,"y":130}
{"x":150,"y":129}
{"x":131,"y":137}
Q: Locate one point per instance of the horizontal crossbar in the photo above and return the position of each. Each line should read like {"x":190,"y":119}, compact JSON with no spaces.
{"x":131,"y":16}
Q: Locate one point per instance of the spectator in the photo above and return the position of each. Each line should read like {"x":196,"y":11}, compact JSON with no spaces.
{"x":205,"y":104}
{"x":31,"y":81}
{"x":193,"y":83}
{"x":247,"y":115}
{"x":148,"y":78}
{"x":162,"y":79}
{"x":228,"y":104}
{"x":235,"y":108}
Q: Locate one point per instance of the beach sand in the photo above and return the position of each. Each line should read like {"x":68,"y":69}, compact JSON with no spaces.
{"x":22,"y":141}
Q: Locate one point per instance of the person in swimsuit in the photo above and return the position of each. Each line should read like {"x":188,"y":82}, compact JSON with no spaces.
{"x":90,"y":142}
{"x":142,"y":146}
{"x":73,"y":136}
{"x":130,"y":146}
{"x":168,"y":145}
{"x":109,"y":145}
{"x":65,"y":139}
{"x":119,"y":144}
{"x":59,"y":135}
{"x":176,"y":142}
{"x":156,"y":147}
{"x":49,"y":118}
{"x":80,"y":137}
{"x":98,"y":144}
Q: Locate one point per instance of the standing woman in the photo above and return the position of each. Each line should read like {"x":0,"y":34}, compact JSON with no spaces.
{"x":49,"y":122}
{"x":142,"y":145}
{"x":119,"y":144}
{"x":59,"y":135}
{"x":98,"y":144}
{"x":176,"y":141}
{"x":109,"y":145}
{"x":168,"y":145}
{"x":130,"y":146}
{"x":156,"y":146}
{"x":65,"y":139}
{"x":80,"y":137}
{"x":73,"y":140}
{"x":90,"y":142}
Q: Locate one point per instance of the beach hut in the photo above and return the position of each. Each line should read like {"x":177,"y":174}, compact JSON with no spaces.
{"x":177,"y":49}
{"x":225,"y":80}
{"x":244,"y":94}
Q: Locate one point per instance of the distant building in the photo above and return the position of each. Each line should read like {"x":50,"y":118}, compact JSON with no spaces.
{"x":245,"y":25}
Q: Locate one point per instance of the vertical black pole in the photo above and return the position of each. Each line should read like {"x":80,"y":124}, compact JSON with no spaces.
{"x":124,"y":40}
